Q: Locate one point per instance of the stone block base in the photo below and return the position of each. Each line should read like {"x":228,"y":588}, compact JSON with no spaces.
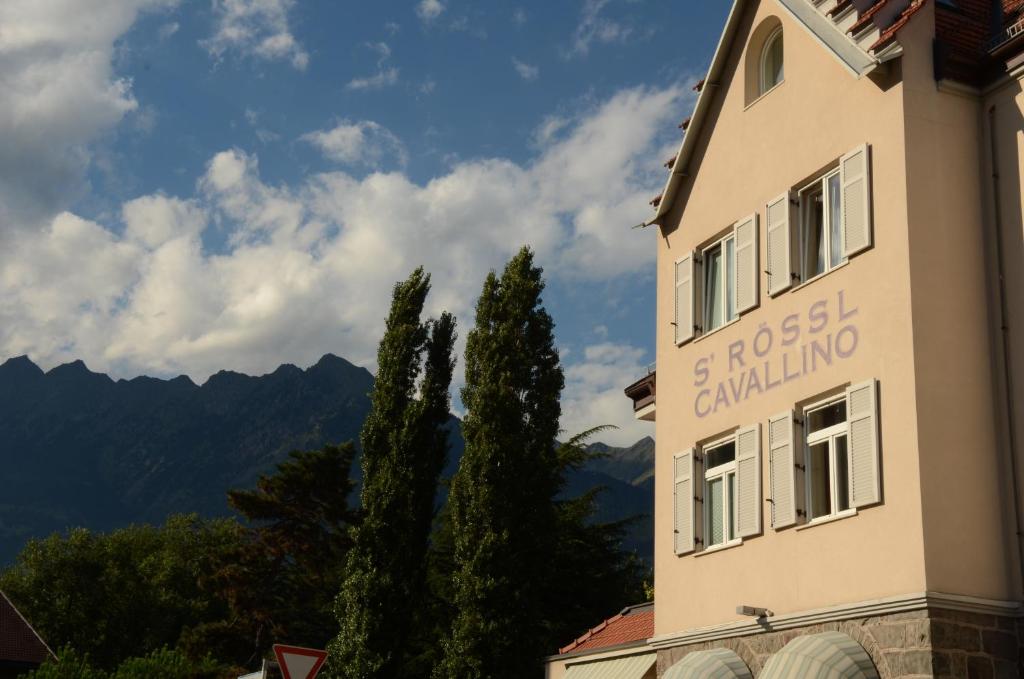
{"x":933,"y":643}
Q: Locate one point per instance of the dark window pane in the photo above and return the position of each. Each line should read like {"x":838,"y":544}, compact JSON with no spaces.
{"x":720,"y":455}
{"x":842,"y":475}
{"x":822,"y":418}
{"x":814,"y":233}
{"x":818,"y":477}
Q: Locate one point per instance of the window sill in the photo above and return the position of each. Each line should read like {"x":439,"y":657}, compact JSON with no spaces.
{"x":845,"y":514}
{"x":718,"y":329}
{"x":721,"y":548}
{"x":765,"y":94}
{"x":804,"y":284}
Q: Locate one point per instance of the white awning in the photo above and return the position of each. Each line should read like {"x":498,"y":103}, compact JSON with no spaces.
{"x":829,"y":655}
{"x":716,"y":663}
{"x":633,"y":667}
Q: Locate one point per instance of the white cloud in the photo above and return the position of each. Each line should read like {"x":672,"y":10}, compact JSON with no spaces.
{"x":525,"y":71}
{"x":358,"y":143}
{"x":519,"y":16}
{"x":308,"y":268}
{"x":59,"y":95}
{"x":386,"y":74}
{"x":383,"y":78}
{"x":428,"y":10}
{"x":593,"y":393}
{"x":255,"y":28}
{"x":168,"y":29}
{"x":594,"y":27}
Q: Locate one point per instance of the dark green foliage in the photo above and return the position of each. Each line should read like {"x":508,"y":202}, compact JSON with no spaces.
{"x":404,"y":446}
{"x":280,"y":583}
{"x":160,"y":664}
{"x":503,"y":518}
{"x":121,"y":594}
{"x":591,"y":576}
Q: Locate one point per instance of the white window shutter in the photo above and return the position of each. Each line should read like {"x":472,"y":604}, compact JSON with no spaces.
{"x":684,"y":313}
{"x":862,"y":425}
{"x":748,"y":480}
{"x":855,"y":180}
{"x":747,"y":273}
{"x":782,"y":447}
{"x":779,"y":245}
{"x":684,"y":523}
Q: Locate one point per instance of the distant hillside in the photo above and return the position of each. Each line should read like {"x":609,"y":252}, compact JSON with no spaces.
{"x":80,"y":449}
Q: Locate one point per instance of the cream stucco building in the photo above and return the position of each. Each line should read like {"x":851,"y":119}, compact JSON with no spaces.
{"x":840,"y":347}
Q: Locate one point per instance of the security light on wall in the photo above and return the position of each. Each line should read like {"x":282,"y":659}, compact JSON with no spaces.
{"x":754,"y":611}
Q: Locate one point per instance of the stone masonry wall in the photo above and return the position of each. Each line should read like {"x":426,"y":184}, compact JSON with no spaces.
{"x":935,"y":643}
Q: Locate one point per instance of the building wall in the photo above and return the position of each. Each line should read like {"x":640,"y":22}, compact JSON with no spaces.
{"x":966,"y":511}
{"x":1004,"y":106}
{"x":750,"y":155}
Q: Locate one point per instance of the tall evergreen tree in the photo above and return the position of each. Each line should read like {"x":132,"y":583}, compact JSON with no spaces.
{"x":503,"y":517}
{"x":405,"y":443}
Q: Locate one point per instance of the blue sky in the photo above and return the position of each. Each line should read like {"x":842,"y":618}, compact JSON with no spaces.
{"x":191,"y":185}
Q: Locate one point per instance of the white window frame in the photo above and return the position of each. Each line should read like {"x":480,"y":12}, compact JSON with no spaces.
{"x":763,"y":86}
{"x":803,"y":218}
{"x":829,"y":435}
{"x":728,"y":297}
{"x":730,"y":498}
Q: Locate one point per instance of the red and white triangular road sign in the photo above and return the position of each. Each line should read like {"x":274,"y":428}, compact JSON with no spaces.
{"x":299,"y":663}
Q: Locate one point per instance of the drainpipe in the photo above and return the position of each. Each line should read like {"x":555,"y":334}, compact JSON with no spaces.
{"x":1004,"y":325}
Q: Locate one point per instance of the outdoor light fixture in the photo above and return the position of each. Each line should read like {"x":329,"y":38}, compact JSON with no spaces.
{"x":754,"y":611}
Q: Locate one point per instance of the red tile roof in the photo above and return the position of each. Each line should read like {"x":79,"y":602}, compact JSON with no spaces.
{"x":635,"y":623}
{"x":889,"y":34}
{"x":19,"y":643}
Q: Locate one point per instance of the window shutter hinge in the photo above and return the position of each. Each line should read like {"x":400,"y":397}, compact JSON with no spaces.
{"x":698,"y":541}
{"x":793,"y":201}
{"x":801,"y":512}
{"x":797,"y":420}
{"x":794,"y":276}
{"x":799,"y":466}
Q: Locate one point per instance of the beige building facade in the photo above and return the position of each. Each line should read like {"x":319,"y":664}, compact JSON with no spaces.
{"x":839,"y":365}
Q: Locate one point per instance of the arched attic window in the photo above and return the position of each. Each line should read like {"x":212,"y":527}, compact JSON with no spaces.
{"x":764,"y":59}
{"x":772,"y":66}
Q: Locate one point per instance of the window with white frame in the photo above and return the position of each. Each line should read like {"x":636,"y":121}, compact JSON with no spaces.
{"x":772,"y":65}
{"x":824,"y":459}
{"x":817,"y":228}
{"x":821,"y":238}
{"x":720,"y":492}
{"x":717,"y":283}
{"x":719,"y":299}
{"x":828,"y":461}
{"x":723,"y":505}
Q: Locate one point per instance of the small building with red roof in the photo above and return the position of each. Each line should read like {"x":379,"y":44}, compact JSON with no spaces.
{"x":615,"y":649}
{"x":21,"y":647}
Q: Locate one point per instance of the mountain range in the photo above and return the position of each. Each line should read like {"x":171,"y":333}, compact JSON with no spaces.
{"x":78,"y":448}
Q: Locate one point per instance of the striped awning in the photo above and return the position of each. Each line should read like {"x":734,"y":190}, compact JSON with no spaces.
{"x":633,"y":667}
{"x":718,"y":663}
{"x":829,"y":655}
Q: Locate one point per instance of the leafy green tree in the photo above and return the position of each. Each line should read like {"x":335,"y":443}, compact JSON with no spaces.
{"x":404,"y":447}
{"x":116,"y":595}
{"x":160,"y":664}
{"x":503,"y":518}
{"x":279,"y":584}
{"x":591,"y":576}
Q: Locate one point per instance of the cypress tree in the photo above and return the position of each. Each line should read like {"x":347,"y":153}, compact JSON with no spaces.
{"x":503,"y":519}
{"x":404,"y":446}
